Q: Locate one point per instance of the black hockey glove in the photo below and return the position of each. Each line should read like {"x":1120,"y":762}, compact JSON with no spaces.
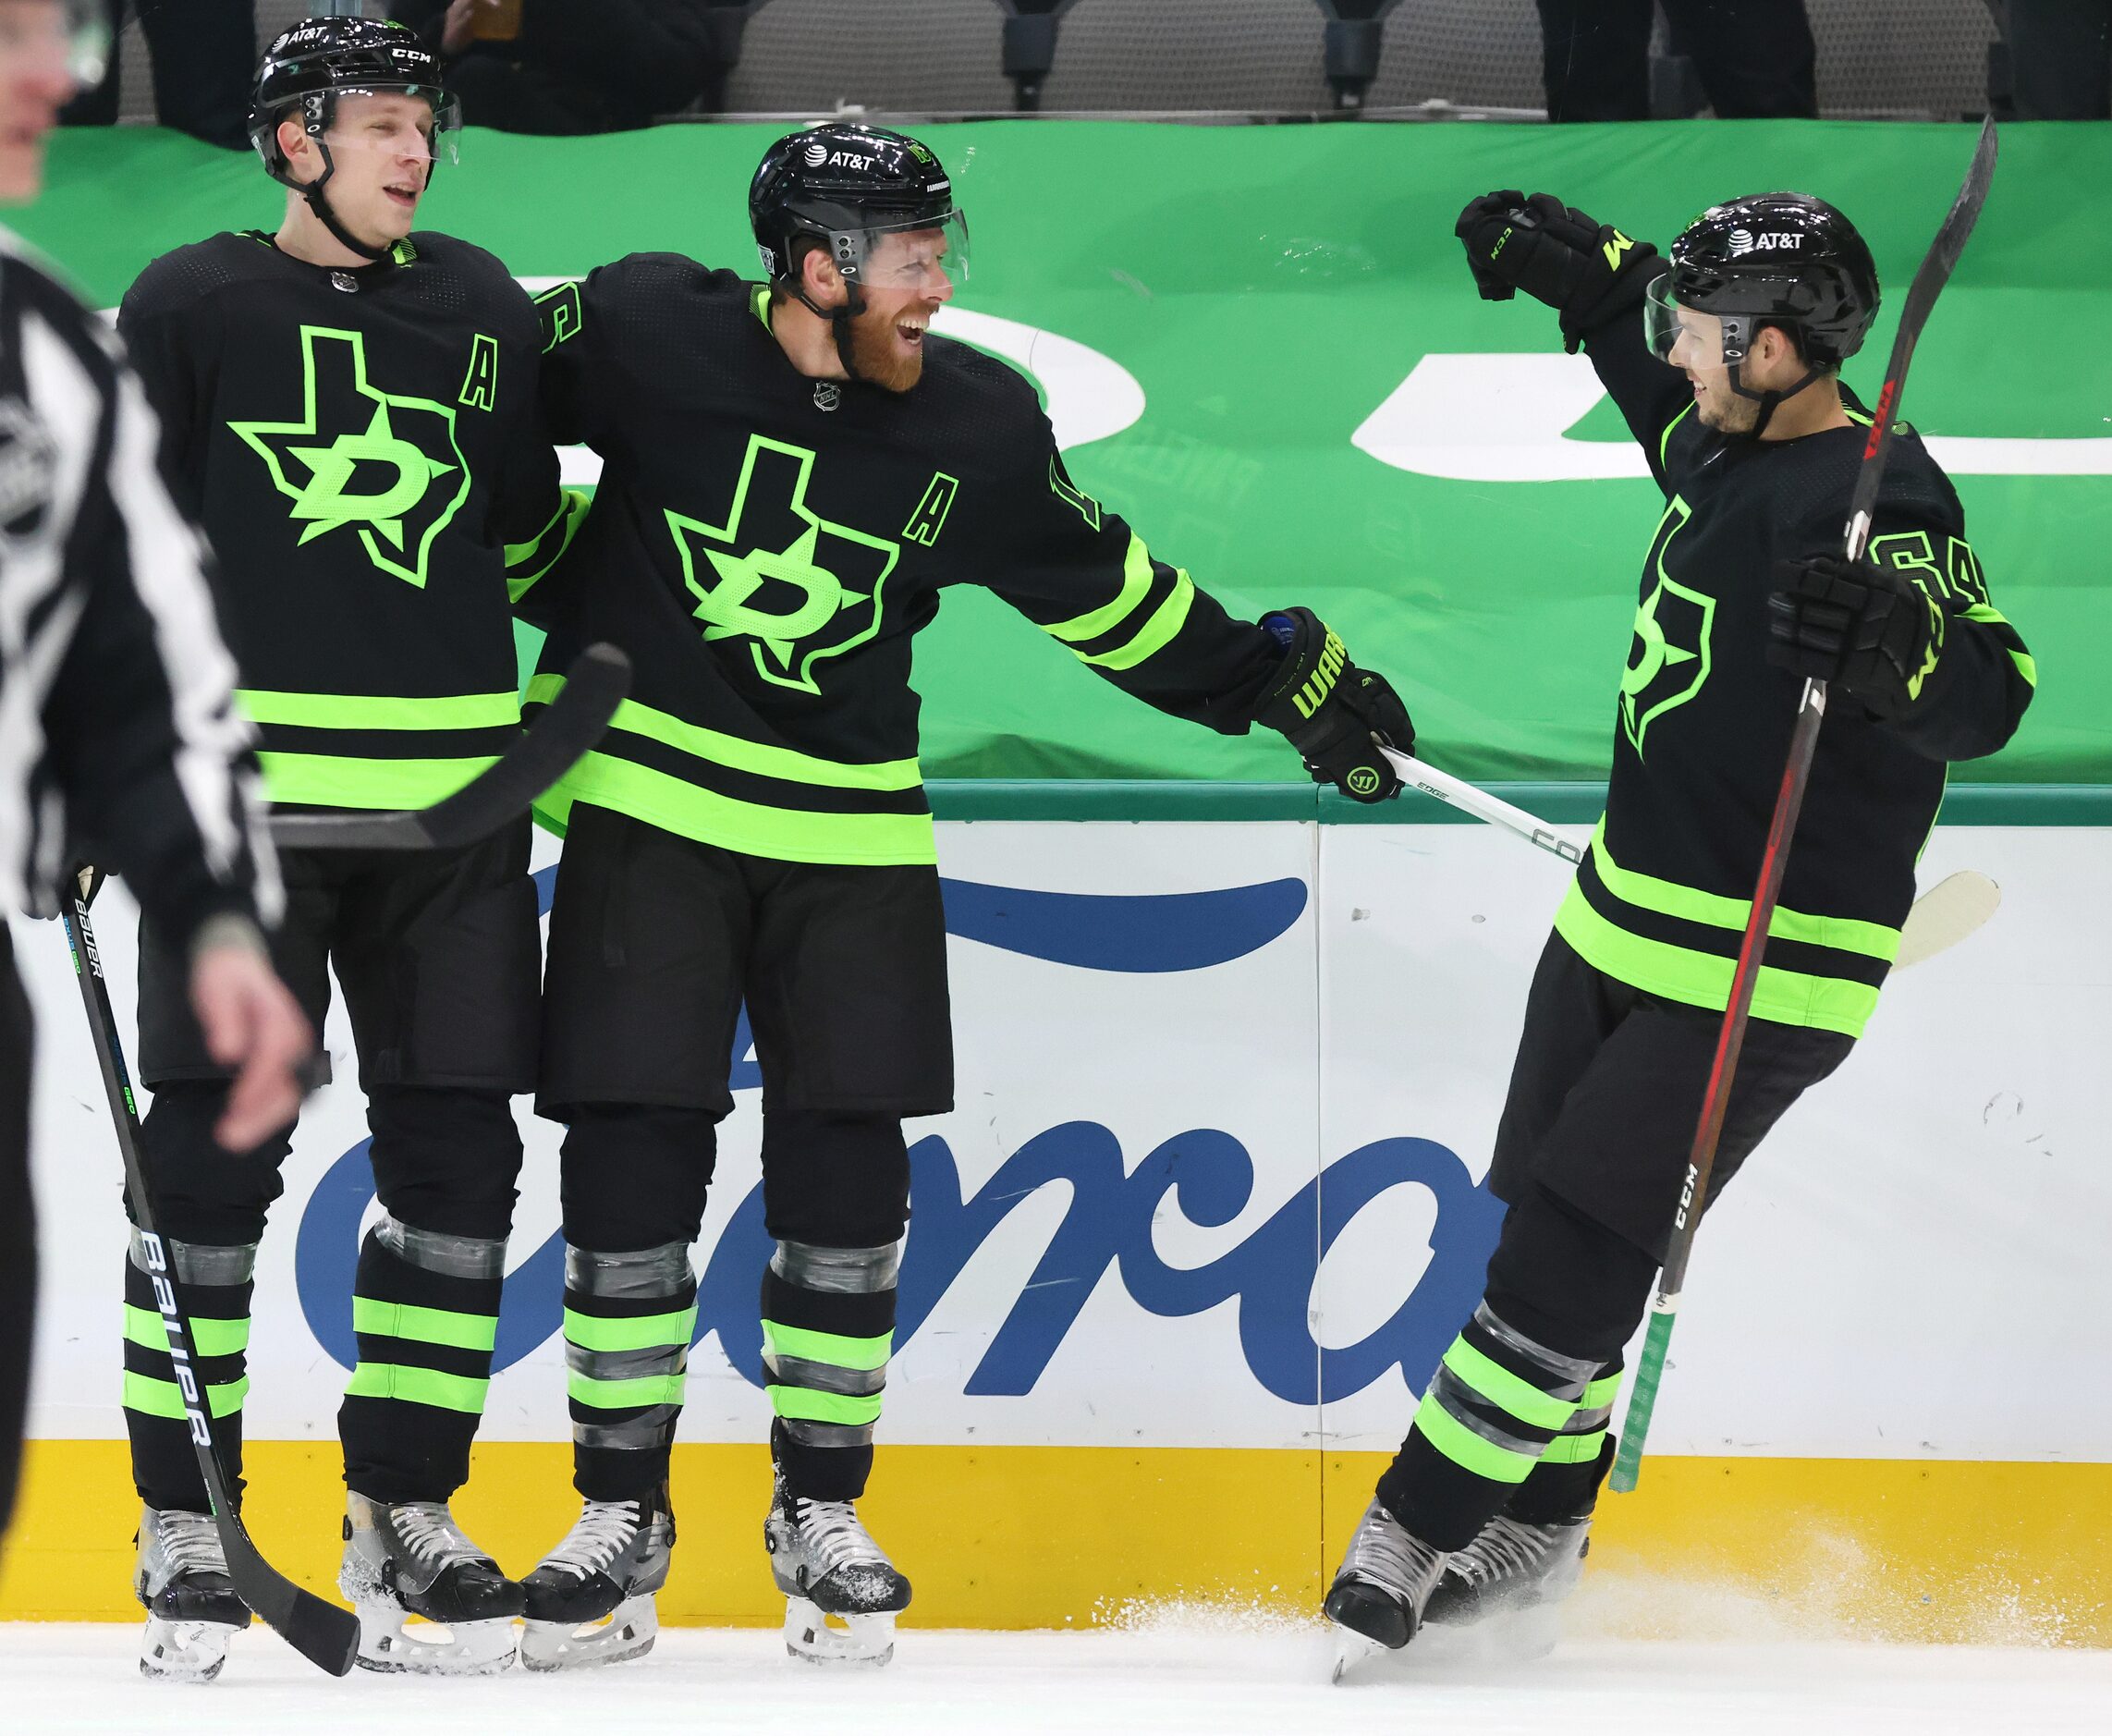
{"x":1333,"y":713}
{"x":1870,"y":628}
{"x":1588,"y":270}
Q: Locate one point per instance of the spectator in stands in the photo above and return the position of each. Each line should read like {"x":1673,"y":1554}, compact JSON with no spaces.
{"x":575,"y":66}
{"x":1754,"y":58}
{"x":2060,"y":58}
{"x":203,"y":53}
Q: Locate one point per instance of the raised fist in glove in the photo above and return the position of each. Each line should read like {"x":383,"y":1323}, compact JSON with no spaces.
{"x":1587,"y":271}
{"x":1333,"y":713}
{"x":1867,"y":627}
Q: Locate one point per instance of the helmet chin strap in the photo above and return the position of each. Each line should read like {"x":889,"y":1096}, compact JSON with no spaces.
{"x":840,"y":321}
{"x":1766,"y":400}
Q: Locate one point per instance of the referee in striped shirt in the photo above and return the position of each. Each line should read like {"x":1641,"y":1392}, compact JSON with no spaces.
{"x":119,"y":741}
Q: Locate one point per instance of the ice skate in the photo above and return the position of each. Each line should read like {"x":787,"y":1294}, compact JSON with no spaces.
{"x":1380,"y":1590}
{"x":191,"y":1602}
{"x":1510,"y":1566}
{"x":591,"y":1599}
{"x":412,"y":1562}
{"x":842,"y":1593}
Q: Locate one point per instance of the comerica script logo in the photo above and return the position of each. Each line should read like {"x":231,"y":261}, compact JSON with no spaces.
{"x":1205,"y":1176}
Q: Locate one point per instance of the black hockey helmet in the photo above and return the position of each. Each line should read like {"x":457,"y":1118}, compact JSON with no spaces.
{"x":1786,"y":259}
{"x":843,"y":187}
{"x":318,"y":60}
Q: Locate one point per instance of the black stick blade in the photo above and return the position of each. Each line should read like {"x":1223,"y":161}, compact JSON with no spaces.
{"x":322,"y":1633}
{"x":569,"y":728}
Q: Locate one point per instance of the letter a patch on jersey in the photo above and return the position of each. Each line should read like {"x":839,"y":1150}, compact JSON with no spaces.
{"x":1669,"y":664}
{"x":385,"y":468}
{"x":776,"y":573}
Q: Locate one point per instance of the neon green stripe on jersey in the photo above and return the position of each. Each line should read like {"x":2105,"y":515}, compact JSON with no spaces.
{"x":324,"y":780}
{"x":1668,"y":897}
{"x":741,"y":755}
{"x":1165,"y":623}
{"x":1702,"y":979}
{"x":1136,"y":582}
{"x":781,"y":834}
{"x":380,"y":711}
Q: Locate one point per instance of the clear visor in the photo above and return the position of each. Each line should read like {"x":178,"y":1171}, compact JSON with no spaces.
{"x":69,"y":36}
{"x":429,"y":128}
{"x":921,"y":258}
{"x":1687,"y":337}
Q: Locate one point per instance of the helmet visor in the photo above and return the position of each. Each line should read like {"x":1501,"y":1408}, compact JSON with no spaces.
{"x":921,"y":255}
{"x":392,"y":129}
{"x":1687,"y":337}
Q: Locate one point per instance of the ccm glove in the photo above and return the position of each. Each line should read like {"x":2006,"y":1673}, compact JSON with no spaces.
{"x":1587,"y":271}
{"x":1335,"y":715}
{"x":1869,"y":627}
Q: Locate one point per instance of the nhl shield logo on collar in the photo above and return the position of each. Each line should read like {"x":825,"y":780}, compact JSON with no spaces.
{"x":827,"y":395}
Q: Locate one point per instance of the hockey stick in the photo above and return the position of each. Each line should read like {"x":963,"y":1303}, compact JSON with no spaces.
{"x":1935,"y":272}
{"x":1457,"y":792}
{"x":1941,"y":917}
{"x":568,"y":729}
{"x":322,"y":1633}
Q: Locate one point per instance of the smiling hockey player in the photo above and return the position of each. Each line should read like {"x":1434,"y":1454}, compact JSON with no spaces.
{"x":794,"y":471}
{"x":352,"y":414}
{"x":1755,"y":444}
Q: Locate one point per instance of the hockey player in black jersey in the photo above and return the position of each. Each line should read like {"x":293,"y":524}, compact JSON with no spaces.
{"x":795,"y":469}
{"x":349,"y":409}
{"x":1756,"y":445}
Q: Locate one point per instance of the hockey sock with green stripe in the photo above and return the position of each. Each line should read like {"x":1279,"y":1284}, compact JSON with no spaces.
{"x":1564,"y":1486}
{"x":425,"y":1308}
{"x":628,"y":1320}
{"x":216,"y":1285}
{"x":828,"y":1330}
{"x":1497,"y":1400}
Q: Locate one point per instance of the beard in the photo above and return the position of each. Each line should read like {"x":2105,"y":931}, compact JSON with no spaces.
{"x":873,"y":357}
{"x":1726,"y":411}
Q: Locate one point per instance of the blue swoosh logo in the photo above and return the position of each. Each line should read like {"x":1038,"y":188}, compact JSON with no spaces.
{"x":1137,"y":933}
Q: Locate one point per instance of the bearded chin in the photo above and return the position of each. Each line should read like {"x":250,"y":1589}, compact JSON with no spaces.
{"x":874,"y":356}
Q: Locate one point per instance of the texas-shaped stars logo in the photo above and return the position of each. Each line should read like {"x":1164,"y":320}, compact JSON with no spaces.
{"x":777,"y":574}
{"x":363,"y":459}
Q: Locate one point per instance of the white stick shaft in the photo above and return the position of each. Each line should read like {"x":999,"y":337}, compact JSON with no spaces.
{"x":1470,"y":799}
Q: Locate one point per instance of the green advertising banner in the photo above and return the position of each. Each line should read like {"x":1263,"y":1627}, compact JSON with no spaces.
{"x":1263,"y":348}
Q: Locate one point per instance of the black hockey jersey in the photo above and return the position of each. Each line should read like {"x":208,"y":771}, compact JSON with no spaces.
{"x":363,"y":451}
{"x":764,"y":545}
{"x":1703,"y":720}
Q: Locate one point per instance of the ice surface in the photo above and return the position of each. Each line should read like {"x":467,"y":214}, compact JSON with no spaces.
{"x":1163,"y":1677}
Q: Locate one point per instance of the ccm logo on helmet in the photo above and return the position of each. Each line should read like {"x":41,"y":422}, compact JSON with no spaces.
{"x":1780,"y":241}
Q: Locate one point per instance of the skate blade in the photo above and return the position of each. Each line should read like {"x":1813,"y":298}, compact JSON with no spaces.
{"x":183,"y":1651}
{"x":864,"y":1640}
{"x":395,"y":1642}
{"x":1355,"y":1655}
{"x":626,"y":1632}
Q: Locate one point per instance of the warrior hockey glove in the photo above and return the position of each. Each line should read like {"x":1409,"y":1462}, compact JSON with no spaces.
{"x":1333,"y":713}
{"x":1588,"y":270}
{"x":1864,"y":626}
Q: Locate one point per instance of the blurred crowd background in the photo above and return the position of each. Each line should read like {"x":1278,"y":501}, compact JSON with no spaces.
{"x":597,"y":65}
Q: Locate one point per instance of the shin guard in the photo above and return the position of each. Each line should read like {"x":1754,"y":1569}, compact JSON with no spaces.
{"x":216,"y":1285}
{"x":828,"y":1329}
{"x":628,"y":1318}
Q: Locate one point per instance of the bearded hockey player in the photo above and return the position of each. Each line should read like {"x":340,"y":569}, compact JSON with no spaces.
{"x":794,"y":471}
{"x":1756,"y":444}
{"x":350,"y":411}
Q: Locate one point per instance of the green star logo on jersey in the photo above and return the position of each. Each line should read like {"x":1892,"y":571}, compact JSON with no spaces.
{"x":776,"y":573}
{"x":1669,"y":662}
{"x":361,"y":459}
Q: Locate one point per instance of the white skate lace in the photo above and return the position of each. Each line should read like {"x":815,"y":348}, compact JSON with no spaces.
{"x":190,"y":1543}
{"x":1385,"y":1552}
{"x":835,"y":1538}
{"x":605,"y":1530}
{"x":1505,"y":1548}
{"x":428,"y":1529}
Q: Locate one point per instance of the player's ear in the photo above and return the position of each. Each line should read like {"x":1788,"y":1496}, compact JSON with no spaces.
{"x":300,"y":150}
{"x":825,"y":284}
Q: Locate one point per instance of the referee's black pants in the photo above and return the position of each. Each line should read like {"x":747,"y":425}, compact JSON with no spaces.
{"x":1591,"y":1158}
{"x":18,"y":1224}
{"x":1756,"y":58}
